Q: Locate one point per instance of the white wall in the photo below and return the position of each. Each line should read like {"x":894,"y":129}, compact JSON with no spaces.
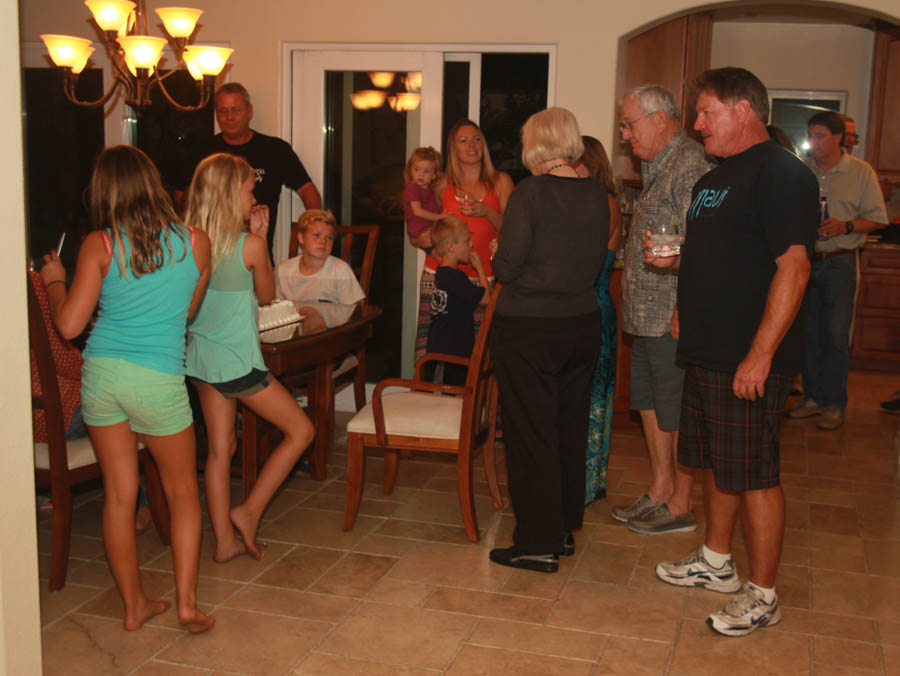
{"x":803,"y":56}
{"x":20,"y":648}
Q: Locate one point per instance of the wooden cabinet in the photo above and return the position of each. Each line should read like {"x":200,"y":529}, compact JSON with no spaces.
{"x":883,"y":147}
{"x":876,"y":331}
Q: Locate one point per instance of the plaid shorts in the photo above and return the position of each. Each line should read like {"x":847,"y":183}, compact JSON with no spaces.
{"x":736,"y":438}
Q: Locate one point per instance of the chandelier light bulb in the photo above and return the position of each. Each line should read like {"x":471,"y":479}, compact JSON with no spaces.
{"x":110,"y":15}
{"x":207,"y":60}
{"x":382,"y":79}
{"x":142,"y":51}
{"x":66,"y":51}
{"x":179,"y":21}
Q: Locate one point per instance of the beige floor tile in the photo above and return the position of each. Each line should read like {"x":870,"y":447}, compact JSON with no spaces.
{"x":239,"y":569}
{"x":251,"y":643}
{"x":56,"y":604}
{"x":889,"y":632}
{"x":444,"y":508}
{"x":400,"y":592}
{"x":603,"y":562}
{"x":80,"y":547}
{"x":484,"y":604}
{"x":395,"y":635}
{"x":870,"y":596}
{"x":384,"y":546}
{"x":319,"y":528}
{"x":477,"y":660}
{"x":891,"y":660}
{"x":320,"y":664}
{"x":420,"y":530}
{"x":538,"y":638}
{"x":619,"y":610}
{"x":467,"y":567}
{"x":634,"y":657}
{"x":82,"y":645}
{"x":156,"y":668}
{"x":883,"y":558}
{"x":284,"y":500}
{"x":93,"y":573}
{"x":335,"y":503}
{"x":300,"y":568}
{"x":823,"y":624}
{"x":702,"y":652}
{"x":539,"y":585}
{"x":354,"y":575}
{"x":281,"y":601}
{"x":109,"y":604}
{"x":614,"y":533}
{"x":853,"y":654}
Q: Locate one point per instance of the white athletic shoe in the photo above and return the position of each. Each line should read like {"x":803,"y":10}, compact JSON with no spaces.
{"x":695,"y":571}
{"x":746,"y":613}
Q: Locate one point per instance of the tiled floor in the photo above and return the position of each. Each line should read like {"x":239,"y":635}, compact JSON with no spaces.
{"x":406,"y":593}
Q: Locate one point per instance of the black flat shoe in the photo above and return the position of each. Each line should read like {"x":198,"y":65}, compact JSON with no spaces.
{"x":568,"y":544}
{"x":512,"y":557}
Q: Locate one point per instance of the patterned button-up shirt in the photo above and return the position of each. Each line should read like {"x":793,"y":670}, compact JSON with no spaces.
{"x":648,"y":292}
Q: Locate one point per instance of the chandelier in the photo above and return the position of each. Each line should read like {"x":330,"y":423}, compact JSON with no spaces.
{"x":399,"y":101}
{"x":135,"y":54}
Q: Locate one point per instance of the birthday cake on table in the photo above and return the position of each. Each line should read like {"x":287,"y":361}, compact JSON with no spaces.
{"x":277,"y":314}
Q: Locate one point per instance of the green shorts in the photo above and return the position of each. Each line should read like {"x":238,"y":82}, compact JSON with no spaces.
{"x":114,"y":390}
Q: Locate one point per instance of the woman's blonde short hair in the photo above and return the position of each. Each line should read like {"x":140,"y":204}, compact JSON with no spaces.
{"x":551,"y":134}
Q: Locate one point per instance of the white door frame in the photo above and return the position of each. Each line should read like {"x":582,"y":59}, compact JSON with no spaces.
{"x":303,"y":81}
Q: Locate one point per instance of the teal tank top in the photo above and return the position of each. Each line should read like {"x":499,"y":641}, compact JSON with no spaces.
{"x":143,"y":319}
{"x":223,"y":343}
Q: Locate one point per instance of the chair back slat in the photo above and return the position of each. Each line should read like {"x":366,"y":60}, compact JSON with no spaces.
{"x":49,"y":400}
{"x":475,"y":414}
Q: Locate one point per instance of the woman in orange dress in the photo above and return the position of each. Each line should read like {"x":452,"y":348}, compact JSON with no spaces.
{"x":475,"y":192}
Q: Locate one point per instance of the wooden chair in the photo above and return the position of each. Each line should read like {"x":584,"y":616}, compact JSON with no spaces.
{"x":354,"y":367}
{"x":426,"y":419}
{"x":61,"y":464}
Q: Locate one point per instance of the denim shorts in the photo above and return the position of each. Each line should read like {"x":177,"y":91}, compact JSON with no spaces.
{"x":114,"y":390}
{"x":245,"y":386}
{"x":655,"y":380}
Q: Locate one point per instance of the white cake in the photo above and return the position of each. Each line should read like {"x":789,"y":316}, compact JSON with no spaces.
{"x":277,"y":314}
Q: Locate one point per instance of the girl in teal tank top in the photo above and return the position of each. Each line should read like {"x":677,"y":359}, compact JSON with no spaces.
{"x":223,"y":357}
{"x":148,"y":276}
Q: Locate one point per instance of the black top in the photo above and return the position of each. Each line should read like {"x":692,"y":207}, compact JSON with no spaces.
{"x":274,"y":163}
{"x":552,"y":246}
{"x":453,"y":303}
{"x":745,"y":213}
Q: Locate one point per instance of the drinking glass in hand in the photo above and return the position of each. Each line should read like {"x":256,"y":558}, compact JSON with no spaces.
{"x":665,"y":240}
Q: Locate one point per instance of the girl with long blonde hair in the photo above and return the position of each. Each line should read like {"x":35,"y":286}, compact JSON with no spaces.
{"x":224,"y":359}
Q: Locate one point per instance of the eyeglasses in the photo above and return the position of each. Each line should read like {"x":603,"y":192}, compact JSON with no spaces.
{"x":628,"y":124}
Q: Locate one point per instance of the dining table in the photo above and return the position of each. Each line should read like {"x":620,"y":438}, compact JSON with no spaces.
{"x":304,"y":353}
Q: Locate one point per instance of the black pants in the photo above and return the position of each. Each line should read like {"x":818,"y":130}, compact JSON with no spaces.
{"x":544,"y":370}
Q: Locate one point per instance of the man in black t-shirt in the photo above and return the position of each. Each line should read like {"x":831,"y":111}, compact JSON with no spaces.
{"x":744,"y":267}
{"x":274,"y":162}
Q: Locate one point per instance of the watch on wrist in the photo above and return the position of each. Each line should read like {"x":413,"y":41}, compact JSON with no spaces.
{"x":849,"y":226}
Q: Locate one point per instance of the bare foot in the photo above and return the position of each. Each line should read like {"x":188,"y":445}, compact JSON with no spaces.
{"x":142,"y":519}
{"x":195,"y":621}
{"x":225,"y":551}
{"x":143,"y":612}
{"x":246,"y":526}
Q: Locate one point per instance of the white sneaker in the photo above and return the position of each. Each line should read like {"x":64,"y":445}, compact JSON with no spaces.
{"x":695,"y":571}
{"x":746,"y":613}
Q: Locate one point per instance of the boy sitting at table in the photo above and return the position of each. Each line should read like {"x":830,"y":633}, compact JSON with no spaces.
{"x":322,"y":286}
{"x":454,"y":299}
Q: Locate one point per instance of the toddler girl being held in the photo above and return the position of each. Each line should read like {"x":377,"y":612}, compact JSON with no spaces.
{"x":420,"y":204}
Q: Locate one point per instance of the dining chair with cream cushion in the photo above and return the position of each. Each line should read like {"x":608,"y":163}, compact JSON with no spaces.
{"x":431,"y":417}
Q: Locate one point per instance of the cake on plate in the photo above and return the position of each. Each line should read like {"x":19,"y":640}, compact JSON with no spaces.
{"x":277,"y":313}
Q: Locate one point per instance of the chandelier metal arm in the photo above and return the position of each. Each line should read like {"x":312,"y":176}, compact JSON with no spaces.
{"x":69,"y":90}
{"x":205,"y":88}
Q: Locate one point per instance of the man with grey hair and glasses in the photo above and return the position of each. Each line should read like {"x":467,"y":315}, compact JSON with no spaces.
{"x":671,"y":163}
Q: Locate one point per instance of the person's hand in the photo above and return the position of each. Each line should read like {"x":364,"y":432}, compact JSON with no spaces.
{"x":493,"y":246}
{"x":650,"y":259}
{"x":477,"y":209}
{"x":750,"y":377}
{"x":52,"y":270}
{"x":832,"y":227}
{"x":259,"y":220}
{"x":475,"y":261}
{"x":674,"y":326}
